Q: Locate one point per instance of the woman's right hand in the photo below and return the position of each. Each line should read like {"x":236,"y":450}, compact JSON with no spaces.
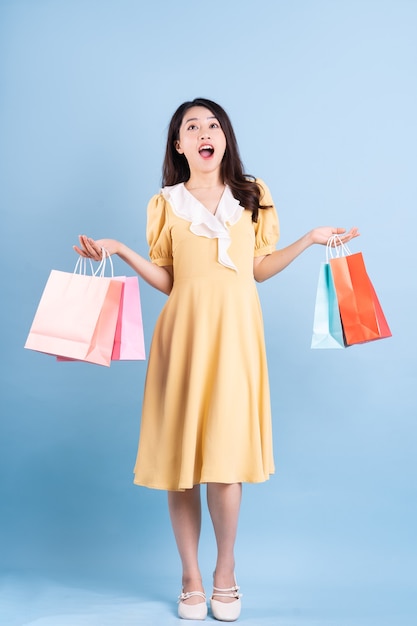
{"x":93,"y":249}
{"x":159,"y":277}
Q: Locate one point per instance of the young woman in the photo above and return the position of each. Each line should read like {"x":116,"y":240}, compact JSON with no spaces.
{"x":206,"y":419}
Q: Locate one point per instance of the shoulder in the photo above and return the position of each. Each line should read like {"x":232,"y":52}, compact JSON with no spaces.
{"x":157,"y":211}
{"x":267,"y":225}
{"x":156,"y":200}
{"x":162,"y":201}
{"x":266,"y":196}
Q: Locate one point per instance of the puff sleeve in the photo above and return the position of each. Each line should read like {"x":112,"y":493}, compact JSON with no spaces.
{"x":158,"y":232}
{"x":267,"y":226}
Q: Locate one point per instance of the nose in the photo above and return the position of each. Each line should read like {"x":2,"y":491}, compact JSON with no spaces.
{"x":204,"y":133}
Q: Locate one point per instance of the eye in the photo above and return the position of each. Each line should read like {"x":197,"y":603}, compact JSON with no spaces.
{"x":192,"y":127}
{"x":214,"y":125}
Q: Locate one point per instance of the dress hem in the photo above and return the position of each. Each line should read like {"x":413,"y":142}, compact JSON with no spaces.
{"x":201,"y":482}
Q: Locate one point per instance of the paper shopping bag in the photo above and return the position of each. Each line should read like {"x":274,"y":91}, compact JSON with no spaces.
{"x":382,"y":322}
{"x":360,"y":310}
{"x":129,"y":344}
{"x":76,"y":317}
{"x":327,"y":327}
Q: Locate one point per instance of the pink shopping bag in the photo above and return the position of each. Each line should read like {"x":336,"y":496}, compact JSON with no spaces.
{"x":77,"y":317}
{"x":129,"y":344}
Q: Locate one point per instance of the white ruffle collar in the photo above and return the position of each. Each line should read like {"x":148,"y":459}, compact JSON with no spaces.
{"x":204,"y":223}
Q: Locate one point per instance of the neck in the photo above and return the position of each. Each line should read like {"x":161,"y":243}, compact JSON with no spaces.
{"x":204,"y":182}
{"x":190,"y":187}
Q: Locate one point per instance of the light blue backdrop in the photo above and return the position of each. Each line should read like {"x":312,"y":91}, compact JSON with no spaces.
{"x":323,"y":97}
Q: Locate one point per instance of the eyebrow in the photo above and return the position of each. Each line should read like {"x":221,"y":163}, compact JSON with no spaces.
{"x":194,"y":119}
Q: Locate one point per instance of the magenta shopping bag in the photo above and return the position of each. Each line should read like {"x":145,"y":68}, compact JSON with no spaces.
{"x":129,"y":344}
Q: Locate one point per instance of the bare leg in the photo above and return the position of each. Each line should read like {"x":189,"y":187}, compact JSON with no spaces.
{"x":185,"y":513}
{"x":224,"y":506}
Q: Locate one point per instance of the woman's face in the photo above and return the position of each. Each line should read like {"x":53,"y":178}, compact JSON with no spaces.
{"x":201,"y":140}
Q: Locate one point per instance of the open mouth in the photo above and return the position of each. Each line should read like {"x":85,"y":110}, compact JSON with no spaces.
{"x":206,"y":151}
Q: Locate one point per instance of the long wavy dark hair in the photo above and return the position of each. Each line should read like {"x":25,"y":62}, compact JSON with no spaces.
{"x":175,"y":167}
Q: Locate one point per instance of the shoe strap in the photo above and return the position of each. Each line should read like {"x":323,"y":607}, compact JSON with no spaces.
{"x":230,"y":592}
{"x":189,"y":594}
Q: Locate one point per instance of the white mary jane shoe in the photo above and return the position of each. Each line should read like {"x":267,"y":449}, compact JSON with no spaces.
{"x":226,"y":611}
{"x":192,"y":611}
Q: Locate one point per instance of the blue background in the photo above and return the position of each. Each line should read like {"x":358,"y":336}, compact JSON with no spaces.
{"x":323,"y":97}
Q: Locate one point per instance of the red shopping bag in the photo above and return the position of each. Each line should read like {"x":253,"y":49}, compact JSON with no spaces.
{"x":129,"y":344}
{"x":382,"y":322}
{"x":360,"y":310}
{"x":76,"y":317}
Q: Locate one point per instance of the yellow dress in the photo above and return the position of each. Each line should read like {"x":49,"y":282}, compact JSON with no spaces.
{"x":206,"y":409}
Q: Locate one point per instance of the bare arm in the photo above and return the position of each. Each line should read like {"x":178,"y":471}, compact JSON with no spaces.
{"x":266,"y":266}
{"x":159,"y":277}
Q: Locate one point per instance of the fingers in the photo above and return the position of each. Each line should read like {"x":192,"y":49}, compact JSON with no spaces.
{"x":354,"y":232}
{"x":89,"y":248}
{"x":80,"y":252}
{"x":343,"y":236}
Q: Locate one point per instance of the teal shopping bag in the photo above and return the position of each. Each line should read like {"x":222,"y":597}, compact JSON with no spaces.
{"x":327,"y":326}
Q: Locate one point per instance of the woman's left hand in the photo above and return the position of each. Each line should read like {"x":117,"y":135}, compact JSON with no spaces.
{"x":322,"y":234}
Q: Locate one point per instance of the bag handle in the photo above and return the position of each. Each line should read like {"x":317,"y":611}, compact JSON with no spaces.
{"x":100,"y":271}
{"x":335,"y":248}
{"x":81,"y":266}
